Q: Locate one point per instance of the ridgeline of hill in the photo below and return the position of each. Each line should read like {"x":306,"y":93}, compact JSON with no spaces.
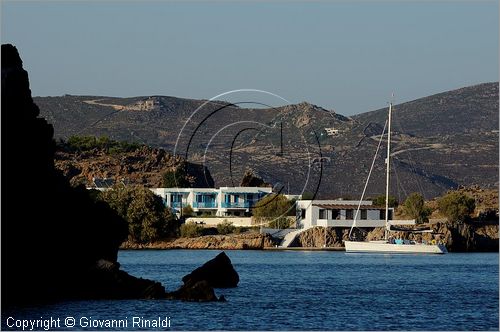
{"x":440,"y":142}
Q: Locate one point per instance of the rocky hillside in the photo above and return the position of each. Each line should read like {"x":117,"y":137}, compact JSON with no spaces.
{"x":450,"y":139}
{"x":144,"y":166}
{"x":486,"y":203}
{"x":439,"y":142}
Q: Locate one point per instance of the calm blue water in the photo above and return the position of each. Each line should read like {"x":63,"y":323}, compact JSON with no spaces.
{"x":300,"y":290}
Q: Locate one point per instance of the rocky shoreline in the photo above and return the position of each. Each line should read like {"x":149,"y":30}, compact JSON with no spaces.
{"x":245,"y":241}
{"x":466,"y":237}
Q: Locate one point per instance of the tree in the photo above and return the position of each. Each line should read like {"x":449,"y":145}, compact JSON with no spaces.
{"x":148,"y":219}
{"x":82,"y":143}
{"x":414,"y":207}
{"x":175,"y":178}
{"x":456,"y":206}
{"x":274,"y":209}
{"x":380,"y":201}
{"x":87,"y":143}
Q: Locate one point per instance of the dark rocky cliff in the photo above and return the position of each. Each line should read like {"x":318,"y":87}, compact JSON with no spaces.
{"x":56,"y":242}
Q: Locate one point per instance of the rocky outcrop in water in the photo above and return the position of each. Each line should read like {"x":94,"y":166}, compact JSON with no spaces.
{"x":105,"y":280}
{"x":198,"y":285}
{"x":199,"y":291}
{"x":218,"y":272}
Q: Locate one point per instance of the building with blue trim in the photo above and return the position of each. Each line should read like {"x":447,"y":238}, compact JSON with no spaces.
{"x":225,"y":201}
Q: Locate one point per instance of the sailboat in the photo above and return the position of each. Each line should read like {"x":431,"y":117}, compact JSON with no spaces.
{"x":391,"y":245}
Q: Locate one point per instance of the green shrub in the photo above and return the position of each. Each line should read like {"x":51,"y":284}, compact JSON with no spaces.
{"x":191,"y":230}
{"x":414,"y":207}
{"x":225,"y":227}
{"x":456,"y":206}
{"x":87,"y":143}
{"x":148,"y":219}
{"x":273,"y":208}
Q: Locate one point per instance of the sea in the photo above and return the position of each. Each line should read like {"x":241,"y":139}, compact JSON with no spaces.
{"x":296,"y":290}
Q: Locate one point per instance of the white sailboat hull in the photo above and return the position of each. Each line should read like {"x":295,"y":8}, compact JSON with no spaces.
{"x":384,"y":247}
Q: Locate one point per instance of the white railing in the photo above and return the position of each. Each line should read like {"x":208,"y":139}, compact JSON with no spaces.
{"x":350,"y":222}
{"x":288,"y":239}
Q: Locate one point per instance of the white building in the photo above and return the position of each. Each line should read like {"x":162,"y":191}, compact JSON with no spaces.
{"x":332,"y":131}
{"x":225,"y":201}
{"x":340,"y":213}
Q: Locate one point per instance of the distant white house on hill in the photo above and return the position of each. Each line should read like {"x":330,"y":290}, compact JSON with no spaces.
{"x":332,"y":131}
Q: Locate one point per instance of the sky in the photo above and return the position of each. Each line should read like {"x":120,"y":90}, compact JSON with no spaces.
{"x":346,"y":56}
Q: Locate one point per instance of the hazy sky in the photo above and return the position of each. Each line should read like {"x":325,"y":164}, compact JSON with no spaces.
{"x":343,"y":55}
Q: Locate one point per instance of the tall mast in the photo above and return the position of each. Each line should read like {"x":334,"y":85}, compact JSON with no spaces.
{"x":388,"y":161}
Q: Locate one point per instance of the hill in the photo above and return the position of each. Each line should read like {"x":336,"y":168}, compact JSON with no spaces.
{"x":449,"y":138}
{"x":440,"y":142}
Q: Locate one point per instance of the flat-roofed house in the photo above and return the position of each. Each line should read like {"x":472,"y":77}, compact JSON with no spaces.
{"x":340,"y":213}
